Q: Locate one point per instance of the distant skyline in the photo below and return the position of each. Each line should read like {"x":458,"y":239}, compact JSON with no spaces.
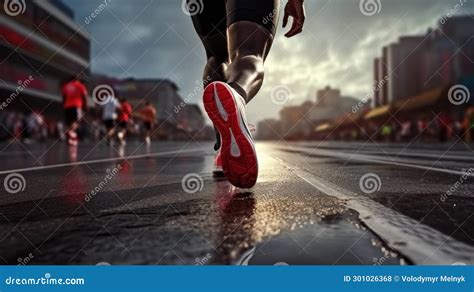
{"x":155,"y":39}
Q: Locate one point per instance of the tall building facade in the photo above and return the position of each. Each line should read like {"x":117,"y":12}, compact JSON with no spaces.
{"x":330,"y":104}
{"x":419,"y":63}
{"x":404,"y":69}
{"x":40,"y":47}
{"x":328,"y":96}
{"x":376,"y":101}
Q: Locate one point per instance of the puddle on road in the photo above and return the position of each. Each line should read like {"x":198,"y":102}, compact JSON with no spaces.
{"x":293,"y":228}
{"x":336,"y":240}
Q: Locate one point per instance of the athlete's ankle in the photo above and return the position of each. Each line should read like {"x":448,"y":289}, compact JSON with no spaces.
{"x":240,"y":90}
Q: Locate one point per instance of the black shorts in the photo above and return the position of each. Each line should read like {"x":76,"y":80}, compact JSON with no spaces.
{"x":123,"y":124}
{"x":147,"y":125}
{"x":214,"y":16}
{"x":109,"y":124}
{"x":72,"y":115}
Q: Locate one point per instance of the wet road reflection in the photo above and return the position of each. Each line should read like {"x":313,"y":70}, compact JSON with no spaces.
{"x":321,"y":244}
{"x":143,"y":215}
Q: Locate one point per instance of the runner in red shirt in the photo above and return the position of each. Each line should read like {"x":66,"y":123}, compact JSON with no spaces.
{"x":123,"y":119}
{"x":75,"y":103}
{"x":148,"y":116}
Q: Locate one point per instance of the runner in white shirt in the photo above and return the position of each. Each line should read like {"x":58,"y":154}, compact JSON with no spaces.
{"x":109,"y":116}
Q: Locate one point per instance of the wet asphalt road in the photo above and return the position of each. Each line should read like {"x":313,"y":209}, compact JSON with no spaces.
{"x":315,"y":203}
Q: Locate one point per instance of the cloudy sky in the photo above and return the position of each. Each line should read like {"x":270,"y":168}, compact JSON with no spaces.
{"x":155,"y":39}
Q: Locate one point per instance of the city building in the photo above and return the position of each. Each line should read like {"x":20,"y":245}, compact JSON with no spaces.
{"x":383,"y":76}
{"x":376,"y":101}
{"x":40,"y":48}
{"x":268,"y":129}
{"x":291,"y":122}
{"x":404,"y":67}
{"x":328,"y":96}
{"x":416,"y":64}
{"x":299,"y":122}
{"x":451,"y":53}
{"x":191,"y":119}
{"x":329,"y":105}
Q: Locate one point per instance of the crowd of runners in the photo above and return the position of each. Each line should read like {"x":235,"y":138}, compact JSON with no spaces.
{"x":117,"y":115}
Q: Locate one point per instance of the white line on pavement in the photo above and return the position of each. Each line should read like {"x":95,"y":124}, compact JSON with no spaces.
{"x":420,"y":243}
{"x":155,"y":154}
{"x":374,"y":159}
{"x":440,"y":155}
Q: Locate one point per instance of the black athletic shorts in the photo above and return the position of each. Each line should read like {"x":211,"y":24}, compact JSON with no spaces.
{"x":147,"y":125}
{"x":109,"y":124}
{"x":123,"y":124}
{"x":72,"y":115}
{"x":214,"y":16}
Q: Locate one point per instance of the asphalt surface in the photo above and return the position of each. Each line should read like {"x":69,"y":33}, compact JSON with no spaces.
{"x":314,"y":203}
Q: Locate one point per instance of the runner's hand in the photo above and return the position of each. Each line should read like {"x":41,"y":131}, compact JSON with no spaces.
{"x":295,"y":9}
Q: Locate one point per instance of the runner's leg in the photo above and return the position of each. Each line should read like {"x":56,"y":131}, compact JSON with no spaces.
{"x":250,"y":33}
{"x":250,"y":27}
{"x":210,"y":26}
{"x":216,"y":65}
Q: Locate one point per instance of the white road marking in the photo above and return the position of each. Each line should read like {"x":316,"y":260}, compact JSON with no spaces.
{"x":441,"y":155}
{"x":374,"y":159}
{"x":95,"y":161}
{"x":386,"y":147}
{"x":420,"y":243}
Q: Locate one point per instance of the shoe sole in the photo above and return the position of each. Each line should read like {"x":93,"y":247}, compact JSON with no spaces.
{"x":239,"y":158}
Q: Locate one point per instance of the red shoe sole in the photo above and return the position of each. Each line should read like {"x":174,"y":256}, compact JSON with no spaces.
{"x":241,"y":170}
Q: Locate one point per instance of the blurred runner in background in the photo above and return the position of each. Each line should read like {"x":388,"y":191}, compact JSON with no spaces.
{"x":469,"y":124}
{"x":124,"y":115}
{"x":74,"y":103}
{"x":109,"y":117}
{"x":148,"y":116}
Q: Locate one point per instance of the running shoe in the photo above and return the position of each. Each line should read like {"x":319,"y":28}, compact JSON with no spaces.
{"x":226,"y":109}
{"x":72,"y":138}
{"x":218,"y":172}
